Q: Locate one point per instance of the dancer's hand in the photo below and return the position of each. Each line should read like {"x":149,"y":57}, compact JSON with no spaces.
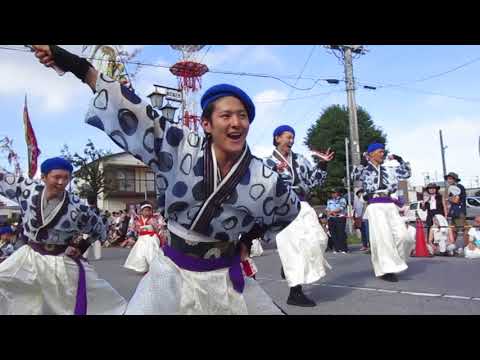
{"x":44,"y":55}
{"x":324,"y":156}
{"x":282,"y":166}
{"x":73,"y":252}
{"x":395,"y":157}
{"x":244,"y":253}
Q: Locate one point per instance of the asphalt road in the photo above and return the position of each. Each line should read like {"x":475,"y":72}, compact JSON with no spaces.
{"x":433,"y":286}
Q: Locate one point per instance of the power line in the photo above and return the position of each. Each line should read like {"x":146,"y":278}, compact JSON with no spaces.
{"x":14,"y":49}
{"x":425,"y":92}
{"x":302,"y":70}
{"x":278,"y":78}
{"x":436,"y":75}
{"x":300,"y":97}
{"x":206,"y":52}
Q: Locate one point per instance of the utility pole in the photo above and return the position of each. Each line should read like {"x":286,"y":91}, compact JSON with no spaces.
{"x":442,"y":149}
{"x":352,"y":106}
{"x":348,"y":51}
{"x":349,"y":212}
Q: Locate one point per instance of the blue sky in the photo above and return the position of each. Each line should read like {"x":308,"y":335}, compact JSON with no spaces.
{"x":411,"y":118}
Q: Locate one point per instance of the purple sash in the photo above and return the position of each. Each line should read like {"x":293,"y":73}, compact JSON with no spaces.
{"x":200,"y":265}
{"x":384,"y":200}
{"x":81,"y":298}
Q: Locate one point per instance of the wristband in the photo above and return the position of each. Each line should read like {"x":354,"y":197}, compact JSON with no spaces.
{"x":69,"y":62}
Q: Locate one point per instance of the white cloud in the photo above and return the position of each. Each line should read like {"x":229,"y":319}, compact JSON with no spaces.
{"x":149,"y":75}
{"x":21,"y":73}
{"x":261,"y":151}
{"x":421,"y":146}
{"x":435,"y":100}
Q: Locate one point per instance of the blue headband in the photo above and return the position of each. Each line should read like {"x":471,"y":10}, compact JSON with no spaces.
{"x":281,"y":129}
{"x":6,"y":230}
{"x":222,"y":90}
{"x":56,"y":163}
{"x":375,"y":146}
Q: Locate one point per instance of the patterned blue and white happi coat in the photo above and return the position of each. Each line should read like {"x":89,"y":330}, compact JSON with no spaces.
{"x":300,"y":173}
{"x":381,"y":178}
{"x":183,"y":163}
{"x":64,"y":223}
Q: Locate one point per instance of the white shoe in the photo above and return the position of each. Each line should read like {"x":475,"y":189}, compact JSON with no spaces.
{"x":334,"y":252}
{"x":343,"y":252}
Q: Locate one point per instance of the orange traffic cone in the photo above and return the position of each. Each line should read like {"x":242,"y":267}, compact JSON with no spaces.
{"x":421,"y":245}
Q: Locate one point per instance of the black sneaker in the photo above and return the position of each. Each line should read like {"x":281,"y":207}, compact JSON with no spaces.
{"x":389,"y":277}
{"x":299,"y":299}
{"x":282,"y":274}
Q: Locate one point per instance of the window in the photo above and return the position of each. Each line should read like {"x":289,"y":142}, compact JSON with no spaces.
{"x":125,"y":180}
{"x":150,"y":181}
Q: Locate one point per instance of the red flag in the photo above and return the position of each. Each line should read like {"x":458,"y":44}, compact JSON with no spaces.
{"x":31,"y":140}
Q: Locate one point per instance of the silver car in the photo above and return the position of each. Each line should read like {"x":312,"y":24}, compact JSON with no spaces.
{"x":473,"y":206}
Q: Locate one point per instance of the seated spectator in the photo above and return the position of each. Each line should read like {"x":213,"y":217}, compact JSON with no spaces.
{"x":412,"y":238}
{"x":323,"y":219}
{"x":472,"y":250}
{"x":441,"y":237}
{"x":6,"y":246}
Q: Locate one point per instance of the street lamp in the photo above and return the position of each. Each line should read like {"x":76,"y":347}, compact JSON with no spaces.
{"x":156,"y":98}
{"x":332,"y":81}
{"x":168,"y":111}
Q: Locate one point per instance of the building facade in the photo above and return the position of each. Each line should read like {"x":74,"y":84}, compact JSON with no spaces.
{"x":130,"y":182}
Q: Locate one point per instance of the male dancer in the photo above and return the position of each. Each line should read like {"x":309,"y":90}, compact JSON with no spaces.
{"x":387,"y":233}
{"x":48,"y":276}
{"x":217,"y":196}
{"x":302,"y":244}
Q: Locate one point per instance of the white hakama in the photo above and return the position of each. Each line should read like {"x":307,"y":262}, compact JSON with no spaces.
{"x":472,"y":254}
{"x":142,"y":253}
{"x":388,"y":238}
{"x":35,"y":284}
{"x":97,"y":250}
{"x":411,"y":241}
{"x":169,"y":290}
{"x":301,"y":247}
{"x":256,"y":249}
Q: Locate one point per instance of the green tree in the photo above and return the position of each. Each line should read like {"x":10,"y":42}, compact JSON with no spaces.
{"x":88,"y":175}
{"x":329,"y":131}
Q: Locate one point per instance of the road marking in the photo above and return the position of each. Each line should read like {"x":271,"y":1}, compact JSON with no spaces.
{"x":457,"y":297}
{"x":412,"y":293}
{"x":420,"y":294}
{"x":361,"y":288}
{"x":388,"y":291}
